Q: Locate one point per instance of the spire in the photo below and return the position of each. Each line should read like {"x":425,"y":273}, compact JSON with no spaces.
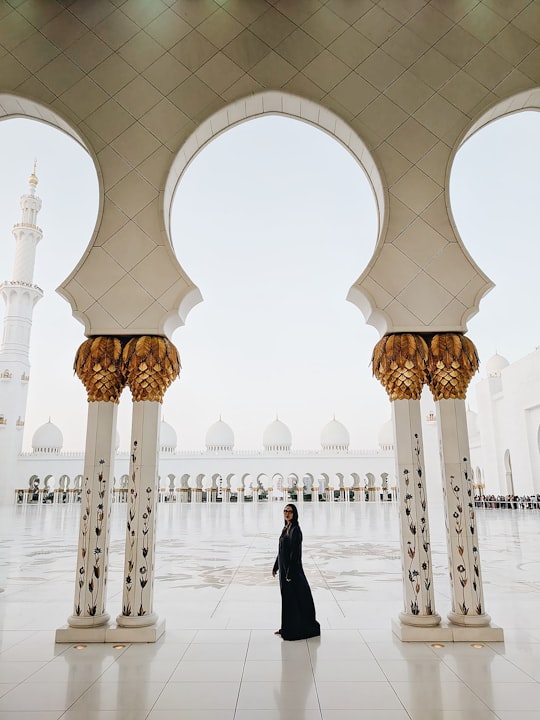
{"x":33,"y":179}
{"x":20,"y":296}
{"x":27,"y":234}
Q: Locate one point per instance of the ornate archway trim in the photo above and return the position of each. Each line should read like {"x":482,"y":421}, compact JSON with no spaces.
{"x":275,"y":103}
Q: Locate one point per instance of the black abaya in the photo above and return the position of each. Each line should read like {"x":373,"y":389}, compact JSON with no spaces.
{"x":297,"y":608}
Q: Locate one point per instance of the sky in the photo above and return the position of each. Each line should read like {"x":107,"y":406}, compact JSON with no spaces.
{"x":274,"y":221}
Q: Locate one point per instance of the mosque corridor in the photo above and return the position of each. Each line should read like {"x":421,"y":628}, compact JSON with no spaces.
{"x":219,"y":659}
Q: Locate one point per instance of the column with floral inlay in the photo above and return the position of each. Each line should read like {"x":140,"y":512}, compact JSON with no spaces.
{"x":151,"y":364}
{"x":452,"y":363}
{"x":399,"y":362}
{"x":98,"y":364}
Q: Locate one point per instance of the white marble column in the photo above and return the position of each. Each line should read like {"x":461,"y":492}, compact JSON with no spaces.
{"x":138,"y":580}
{"x":400,"y":362}
{"x":468,"y":607}
{"x":452,"y":362}
{"x":98,"y":365}
{"x":96,"y":500}
{"x":226,"y":491}
{"x":151,"y":364}
{"x":197,"y":490}
{"x":418,"y":595}
{"x":183,"y":490}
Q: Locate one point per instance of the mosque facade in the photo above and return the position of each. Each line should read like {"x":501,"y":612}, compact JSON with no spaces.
{"x":219,"y":473}
{"x":505,"y":433}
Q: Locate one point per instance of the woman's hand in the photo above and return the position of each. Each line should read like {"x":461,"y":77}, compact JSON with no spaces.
{"x":274,"y":573}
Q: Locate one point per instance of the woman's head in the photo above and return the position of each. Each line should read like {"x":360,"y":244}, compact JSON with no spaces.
{"x":290,"y":514}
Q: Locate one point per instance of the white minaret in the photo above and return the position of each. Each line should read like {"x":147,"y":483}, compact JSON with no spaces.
{"x":20,"y":296}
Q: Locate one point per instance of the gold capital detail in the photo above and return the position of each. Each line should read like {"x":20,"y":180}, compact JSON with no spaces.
{"x":399,"y":363}
{"x":452,"y":362}
{"x":98,"y":364}
{"x":151,"y":364}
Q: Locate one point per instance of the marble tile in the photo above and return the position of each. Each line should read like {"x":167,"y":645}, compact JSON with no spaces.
{"x":39,"y":715}
{"x":221,"y":606}
{"x":358,"y":696}
{"x":191,"y":715}
{"x":440,"y":695}
{"x":202,"y":670}
{"x":32,"y":696}
{"x":271,"y":695}
{"x":126,"y":694}
{"x":272,"y":670}
{"x":365,"y":715}
{"x":188,"y":696}
{"x":105,"y":715}
{"x":16,"y":672}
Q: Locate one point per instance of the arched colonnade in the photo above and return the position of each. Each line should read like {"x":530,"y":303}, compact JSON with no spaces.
{"x":403,"y":361}
{"x":225,"y":487}
{"x":396,"y":113}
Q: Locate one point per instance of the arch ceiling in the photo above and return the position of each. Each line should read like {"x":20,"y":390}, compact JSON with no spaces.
{"x":273,"y":103}
{"x":410,"y":79}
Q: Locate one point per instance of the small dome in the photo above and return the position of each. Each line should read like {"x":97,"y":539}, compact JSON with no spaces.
{"x":219,"y":436}
{"x":495,"y":364}
{"x":167,"y":438}
{"x":47,"y":439}
{"x":335,"y":436}
{"x":277,"y":436}
{"x":386,"y":436}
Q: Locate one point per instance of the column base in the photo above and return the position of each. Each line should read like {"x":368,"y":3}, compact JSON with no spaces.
{"x":447,"y":633}
{"x":87,"y":621}
{"x":110,"y":634}
{"x":421,"y":621}
{"x":469,"y":620}
{"x":136,"y":621}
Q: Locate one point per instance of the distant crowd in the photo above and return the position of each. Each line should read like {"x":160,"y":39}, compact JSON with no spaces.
{"x":510,"y":502}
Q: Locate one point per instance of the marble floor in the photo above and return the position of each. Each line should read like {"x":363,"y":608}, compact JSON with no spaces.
{"x":219,"y":658}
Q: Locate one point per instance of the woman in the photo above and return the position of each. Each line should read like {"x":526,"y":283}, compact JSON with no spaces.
{"x":297,"y":609}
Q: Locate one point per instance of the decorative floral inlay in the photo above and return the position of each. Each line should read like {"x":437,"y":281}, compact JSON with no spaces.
{"x":130,"y":530}
{"x":95,"y":537}
{"x":461,"y":570}
{"x":464,"y":529}
{"x":419,"y":571}
{"x":138,"y":572}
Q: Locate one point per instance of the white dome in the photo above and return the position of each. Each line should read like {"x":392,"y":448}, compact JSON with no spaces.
{"x":495,"y":364}
{"x":167,"y":437}
{"x":219,"y":436}
{"x":47,"y":439}
{"x":277,"y":436}
{"x":386,"y":436}
{"x":335,"y":436}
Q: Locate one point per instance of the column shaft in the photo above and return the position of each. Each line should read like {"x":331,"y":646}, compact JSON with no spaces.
{"x":463,"y":551}
{"x":419,"y":604}
{"x":138,"y":583}
{"x":96,"y":499}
